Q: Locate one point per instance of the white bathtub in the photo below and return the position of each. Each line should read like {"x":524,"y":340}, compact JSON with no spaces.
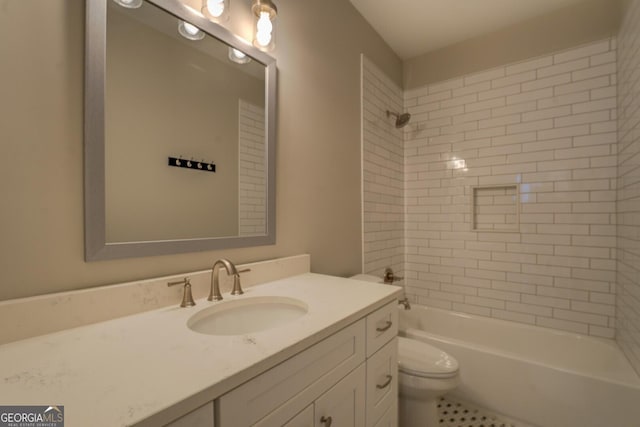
{"x":540,"y":376}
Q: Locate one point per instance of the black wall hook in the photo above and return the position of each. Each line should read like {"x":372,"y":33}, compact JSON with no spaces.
{"x":192,"y":164}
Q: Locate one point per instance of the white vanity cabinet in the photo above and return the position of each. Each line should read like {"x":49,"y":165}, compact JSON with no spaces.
{"x":303,"y":419}
{"x":335,"y":360}
{"x":382,"y":385}
{"x":279,"y":394}
{"x":348,"y":379}
{"x":382,"y":367}
{"x":340,"y":405}
{"x":343,"y":404}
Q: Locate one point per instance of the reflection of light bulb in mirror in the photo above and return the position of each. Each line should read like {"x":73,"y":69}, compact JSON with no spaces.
{"x":238,"y":56}
{"x":129,"y":4}
{"x":264,"y":29}
{"x":215,"y":7}
{"x":190,"y":31}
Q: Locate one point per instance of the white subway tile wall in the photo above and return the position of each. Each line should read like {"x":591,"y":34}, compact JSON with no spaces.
{"x":383,"y":173}
{"x":495,"y":208}
{"x":547,"y":125}
{"x":252,"y":193}
{"x":628,"y":203}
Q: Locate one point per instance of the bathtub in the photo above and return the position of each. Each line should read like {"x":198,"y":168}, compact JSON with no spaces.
{"x":541,"y":376}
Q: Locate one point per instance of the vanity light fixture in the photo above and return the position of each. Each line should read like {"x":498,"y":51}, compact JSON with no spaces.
{"x":129,"y":4}
{"x":264,"y":12}
{"x":216,"y":10}
{"x":238,"y":56}
{"x":190,"y":31}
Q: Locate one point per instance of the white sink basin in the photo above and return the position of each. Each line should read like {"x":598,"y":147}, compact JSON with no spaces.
{"x":246,"y":315}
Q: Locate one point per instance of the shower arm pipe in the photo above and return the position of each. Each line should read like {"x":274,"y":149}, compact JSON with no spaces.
{"x":401,"y":119}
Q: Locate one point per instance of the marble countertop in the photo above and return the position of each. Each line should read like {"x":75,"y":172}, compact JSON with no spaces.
{"x":149,"y":368}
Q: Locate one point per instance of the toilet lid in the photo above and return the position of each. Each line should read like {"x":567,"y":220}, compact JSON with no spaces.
{"x":423,"y":360}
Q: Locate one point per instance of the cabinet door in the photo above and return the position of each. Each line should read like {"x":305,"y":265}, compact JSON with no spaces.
{"x":201,"y":417}
{"x":344,"y":403}
{"x":382,"y":382}
{"x":303,"y":419}
{"x":277,"y":395}
{"x":389,"y":418}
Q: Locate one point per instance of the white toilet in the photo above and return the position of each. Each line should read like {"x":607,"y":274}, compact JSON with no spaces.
{"x":425,"y":373}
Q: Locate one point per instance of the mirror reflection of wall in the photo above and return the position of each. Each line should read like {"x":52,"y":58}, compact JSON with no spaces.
{"x":168,"y":96}
{"x":252,"y":185}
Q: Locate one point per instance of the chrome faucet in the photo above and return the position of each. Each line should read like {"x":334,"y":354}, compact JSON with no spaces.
{"x":214,"y":294}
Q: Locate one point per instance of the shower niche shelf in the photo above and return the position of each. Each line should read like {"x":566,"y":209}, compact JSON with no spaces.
{"x":495,"y":208}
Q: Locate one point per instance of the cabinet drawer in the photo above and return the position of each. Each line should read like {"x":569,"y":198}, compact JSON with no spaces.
{"x":303,"y":419}
{"x":382,"y":382}
{"x":291,"y":385}
{"x":382,"y":326}
{"x":201,"y":417}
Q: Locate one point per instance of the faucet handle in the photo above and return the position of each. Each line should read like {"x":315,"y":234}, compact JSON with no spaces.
{"x":187,"y":298}
{"x":404,"y":302}
{"x":237,"y":289}
{"x":389,"y":277}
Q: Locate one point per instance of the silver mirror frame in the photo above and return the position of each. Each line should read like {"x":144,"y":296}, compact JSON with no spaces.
{"x":96,"y":246}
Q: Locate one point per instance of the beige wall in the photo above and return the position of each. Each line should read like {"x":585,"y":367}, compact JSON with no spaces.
{"x":318,"y":152}
{"x":565,"y":28}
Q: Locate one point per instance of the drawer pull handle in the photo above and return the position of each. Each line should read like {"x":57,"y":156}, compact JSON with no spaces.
{"x":386,"y":383}
{"x":387,"y":325}
{"x":326,"y":420}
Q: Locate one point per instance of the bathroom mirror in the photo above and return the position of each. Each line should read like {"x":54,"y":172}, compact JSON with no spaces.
{"x":179,"y":133}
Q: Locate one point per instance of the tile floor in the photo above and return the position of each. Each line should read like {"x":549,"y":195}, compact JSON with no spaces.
{"x":456,"y":413}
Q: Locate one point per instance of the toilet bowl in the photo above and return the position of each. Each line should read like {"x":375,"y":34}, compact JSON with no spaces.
{"x":425,"y":373}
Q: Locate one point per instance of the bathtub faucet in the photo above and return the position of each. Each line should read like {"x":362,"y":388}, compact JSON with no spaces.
{"x":388,"y":278}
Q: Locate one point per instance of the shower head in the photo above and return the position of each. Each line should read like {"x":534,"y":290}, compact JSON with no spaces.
{"x":401,"y":119}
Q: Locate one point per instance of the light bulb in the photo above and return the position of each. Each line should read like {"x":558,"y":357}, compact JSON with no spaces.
{"x":215,"y":7}
{"x":264,"y":29}
{"x":215,"y":10}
